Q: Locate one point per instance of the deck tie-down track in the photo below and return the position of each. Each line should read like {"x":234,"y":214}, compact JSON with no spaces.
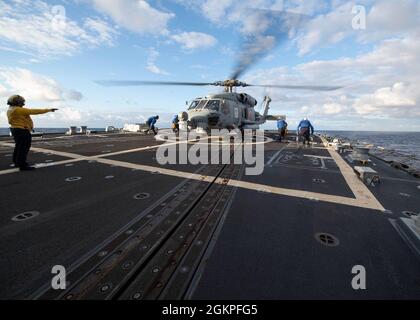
{"x":157,"y":256}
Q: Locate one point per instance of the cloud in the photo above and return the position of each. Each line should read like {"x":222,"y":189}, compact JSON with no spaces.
{"x":215,"y":10}
{"x":399,"y":100}
{"x":34,"y":87}
{"x":332,"y":108}
{"x":136,"y":15}
{"x":73,"y":95}
{"x":385,"y":19}
{"x":326,"y":29}
{"x":380,"y":83}
{"x":151,"y":62}
{"x":194,"y":40}
{"x":39,"y":29}
{"x":73,"y":116}
{"x":249,"y":16}
{"x":104,"y":32}
{"x":328,"y":23}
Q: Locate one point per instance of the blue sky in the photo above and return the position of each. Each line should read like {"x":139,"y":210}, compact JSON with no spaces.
{"x":52,"y":52}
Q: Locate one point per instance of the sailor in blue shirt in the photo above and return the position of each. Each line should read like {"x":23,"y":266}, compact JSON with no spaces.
{"x":282,"y":127}
{"x":151,"y":123}
{"x":305,"y":130}
{"x":175,"y":124}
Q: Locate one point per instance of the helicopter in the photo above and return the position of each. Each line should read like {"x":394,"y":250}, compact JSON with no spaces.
{"x":232,"y":110}
{"x":228,"y":110}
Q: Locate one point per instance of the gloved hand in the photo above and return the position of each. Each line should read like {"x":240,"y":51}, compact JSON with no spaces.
{"x":54,"y":110}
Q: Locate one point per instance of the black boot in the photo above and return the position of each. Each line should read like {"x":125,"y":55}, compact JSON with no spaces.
{"x":27,"y":168}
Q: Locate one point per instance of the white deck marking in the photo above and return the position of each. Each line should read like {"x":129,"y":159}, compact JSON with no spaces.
{"x":78,"y":156}
{"x":42,"y":165}
{"x":42,"y":150}
{"x":322,"y":159}
{"x":306,"y":195}
{"x":75,"y":157}
{"x":250,"y":186}
{"x":359,"y":189}
{"x":274,"y":157}
{"x":364,"y":198}
{"x":318,"y":157}
{"x":169,"y":172}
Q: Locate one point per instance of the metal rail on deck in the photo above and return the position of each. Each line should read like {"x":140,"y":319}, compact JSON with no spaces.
{"x":158,"y":255}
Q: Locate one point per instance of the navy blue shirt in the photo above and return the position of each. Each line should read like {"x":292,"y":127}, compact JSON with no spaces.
{"x":151,"y":121}
{"x":306,"y":124}
{"x":281,"y":124}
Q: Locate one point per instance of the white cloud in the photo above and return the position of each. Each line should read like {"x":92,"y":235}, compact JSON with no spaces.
{"x":67,"y":115}
{"x":326,"y":29}
{"x":151,"y":62}
{"x":215,"y":10}
{"x":135,"y":15}
{"x":392,"y":18}
{"x":398,"y":100}
{"x":73,"y":116}
{"x":104,"y":32}
{"x":383,"y":82}
{"x":73,"y":95}
{"x":385,"y":19}
{"x":33,"y":28}
{"x":194,"y":40}
{"x":33,"y":86}
{"x":332,"y":108}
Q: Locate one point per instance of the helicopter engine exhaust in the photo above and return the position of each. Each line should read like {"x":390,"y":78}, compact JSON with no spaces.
{"x":247,"y":99}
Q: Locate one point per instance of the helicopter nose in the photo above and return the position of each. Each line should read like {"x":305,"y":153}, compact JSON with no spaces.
{"x":198,"y":121}
{"x":205,"y":120}
{"x":213,"y":120}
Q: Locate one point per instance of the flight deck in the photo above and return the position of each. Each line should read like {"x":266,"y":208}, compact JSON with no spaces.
{"x":126,"y":227}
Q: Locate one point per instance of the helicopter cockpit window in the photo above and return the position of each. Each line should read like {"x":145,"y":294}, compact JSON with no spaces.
{"x":197,"y":104}
{"x":213,"y":105}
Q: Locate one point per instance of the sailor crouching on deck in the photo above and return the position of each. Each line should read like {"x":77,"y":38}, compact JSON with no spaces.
{"x":151,"y":123}
{"x":21,"y":126}
{"x":305,"y":130}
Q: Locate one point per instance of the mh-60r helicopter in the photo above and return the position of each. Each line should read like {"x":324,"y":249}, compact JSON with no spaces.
{"x":227,"y":110}
{"x":231,"y":110}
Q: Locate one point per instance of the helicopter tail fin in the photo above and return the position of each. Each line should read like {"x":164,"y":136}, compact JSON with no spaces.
{"x":267,"y":101}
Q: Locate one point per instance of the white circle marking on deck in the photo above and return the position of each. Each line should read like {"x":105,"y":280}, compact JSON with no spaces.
{"x":25,"y":216}
{"x":73,"y":179}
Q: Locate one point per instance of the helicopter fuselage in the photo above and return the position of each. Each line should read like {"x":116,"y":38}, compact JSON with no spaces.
{"x":222,"y":111}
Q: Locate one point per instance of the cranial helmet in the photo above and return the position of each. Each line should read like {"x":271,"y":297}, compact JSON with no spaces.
{"x":306,"y":118}
{"x":157,"y":117}
{"x":16,"y":100}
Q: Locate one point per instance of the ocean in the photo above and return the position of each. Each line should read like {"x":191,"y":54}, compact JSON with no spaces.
{"x":407,"y":143}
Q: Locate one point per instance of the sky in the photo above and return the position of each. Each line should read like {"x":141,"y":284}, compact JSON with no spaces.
{"x":52,"y":52}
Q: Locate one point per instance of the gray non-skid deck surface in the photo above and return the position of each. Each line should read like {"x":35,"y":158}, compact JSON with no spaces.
{"x":266,"y":248}
{"x":91,"y":145}
{"x":6,"y":158}
{"x":75,"y":217}
{"x":294,"y":168}
{"x":398,"y":191}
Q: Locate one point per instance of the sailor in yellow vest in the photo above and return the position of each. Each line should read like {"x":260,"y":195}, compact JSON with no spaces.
{"x":21,"y":126}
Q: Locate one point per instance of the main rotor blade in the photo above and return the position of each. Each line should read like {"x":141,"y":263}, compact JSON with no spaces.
{"x":134,"y":83}
{"x":292,"y":87}
{"x":274,"y":28}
